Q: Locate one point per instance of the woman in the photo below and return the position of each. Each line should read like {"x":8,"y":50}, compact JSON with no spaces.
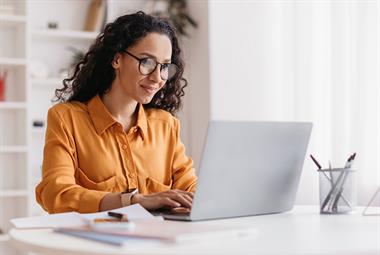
{"x":113,"y":141}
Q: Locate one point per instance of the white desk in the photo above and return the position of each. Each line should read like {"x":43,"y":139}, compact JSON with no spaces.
{"x":301,"y":231}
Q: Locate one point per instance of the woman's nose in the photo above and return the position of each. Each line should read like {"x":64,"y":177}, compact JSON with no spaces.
{"x":156,"y":75}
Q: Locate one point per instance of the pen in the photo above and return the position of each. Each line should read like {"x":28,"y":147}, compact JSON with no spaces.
{"x":345,"y":175}
{"x":331,"y":175}
{"x":336,"y":200}
{"x":350,"y":160}
{"x":316,"y":162}
{"x":120,"y":216}
{"x":118,"y":221}
{"x":330,"y":194}
{"x":331,"y":179}
{"x":105,"y":220}
{"x":334,"y":189}
{"x":319,"y":167}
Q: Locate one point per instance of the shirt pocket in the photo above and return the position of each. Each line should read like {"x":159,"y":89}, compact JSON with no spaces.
{"x":106,"y":185}
{"x":154,"y":186}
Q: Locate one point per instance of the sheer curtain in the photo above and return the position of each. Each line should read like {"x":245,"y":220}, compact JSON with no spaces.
{"x":303,"y":60}
{"x":333,"y":81}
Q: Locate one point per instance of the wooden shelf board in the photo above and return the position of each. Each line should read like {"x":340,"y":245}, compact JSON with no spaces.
{"x":13,"y":61}
{"x":12,"y":19}
{"x":13,"y":193}
{"x":72,"y":34}
{"x":38,"y":130}
{"x":12,"y":105}
{"x":13,"y":149}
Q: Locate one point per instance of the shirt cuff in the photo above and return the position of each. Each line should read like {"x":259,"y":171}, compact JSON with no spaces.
{"x":90,"y":201}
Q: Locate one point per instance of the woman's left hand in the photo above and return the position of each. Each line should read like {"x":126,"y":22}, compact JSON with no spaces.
{"x":170,"y":199}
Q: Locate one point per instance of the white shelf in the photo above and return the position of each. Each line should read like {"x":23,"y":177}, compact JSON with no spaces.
{"x":46,"y":82}
{"x":14,"y":193}
{"x":13,"y":61}
{"x":12,"y":19}
{"x":13,"y":149}
{"x":69,"y":34}
{"x":4,"y":237}
{"x":12,"y":105}
{"x":38,"y":130}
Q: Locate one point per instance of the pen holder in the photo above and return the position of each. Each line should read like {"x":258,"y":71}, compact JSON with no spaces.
{"x":337,"y":190}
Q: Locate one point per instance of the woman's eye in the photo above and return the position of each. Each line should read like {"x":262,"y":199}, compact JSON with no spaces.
{"x":146,"y":61}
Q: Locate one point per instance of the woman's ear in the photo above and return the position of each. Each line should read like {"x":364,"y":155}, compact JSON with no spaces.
{"x":116,"y":61}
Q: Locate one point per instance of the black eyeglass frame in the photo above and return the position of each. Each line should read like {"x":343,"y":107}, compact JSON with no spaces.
{"x":154,"y":69}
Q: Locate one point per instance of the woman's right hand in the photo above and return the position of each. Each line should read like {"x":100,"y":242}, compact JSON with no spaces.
{"x":167,"y":199}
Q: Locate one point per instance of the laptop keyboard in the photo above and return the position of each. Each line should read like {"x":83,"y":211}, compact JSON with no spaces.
{"x":172,"y":211}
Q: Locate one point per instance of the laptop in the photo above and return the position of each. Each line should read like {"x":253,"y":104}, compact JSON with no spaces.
{"x":248,"y":168}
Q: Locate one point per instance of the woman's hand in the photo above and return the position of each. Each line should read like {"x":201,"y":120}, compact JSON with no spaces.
{"x":169,"y":199}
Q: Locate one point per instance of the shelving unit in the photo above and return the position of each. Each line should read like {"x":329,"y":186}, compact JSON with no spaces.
{"x":50,"y":46}
{"x":21,"y":144}
{"x":13,"y":113}
{"x":29,"y":40}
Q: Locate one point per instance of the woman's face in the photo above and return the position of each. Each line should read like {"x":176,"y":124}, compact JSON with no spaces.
{"x":129,"y":80}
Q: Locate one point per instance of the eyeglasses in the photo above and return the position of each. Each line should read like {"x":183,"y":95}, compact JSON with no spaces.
{"x":148,"y":65}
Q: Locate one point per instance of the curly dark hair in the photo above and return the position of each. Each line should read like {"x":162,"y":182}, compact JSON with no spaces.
{"x":94,"y":74}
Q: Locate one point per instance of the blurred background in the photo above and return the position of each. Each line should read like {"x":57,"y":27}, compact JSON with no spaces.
{"x":283,"y":60}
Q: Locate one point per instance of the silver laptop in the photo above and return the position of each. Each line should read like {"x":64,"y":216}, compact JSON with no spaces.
{"x":248,"y":168}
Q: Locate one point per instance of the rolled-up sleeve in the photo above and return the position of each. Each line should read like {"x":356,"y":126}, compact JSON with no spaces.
{"x":184,"y":177}
{"x":58,"y":192}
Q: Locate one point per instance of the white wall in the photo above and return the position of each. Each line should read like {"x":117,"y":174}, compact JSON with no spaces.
{"x":197,"y":99}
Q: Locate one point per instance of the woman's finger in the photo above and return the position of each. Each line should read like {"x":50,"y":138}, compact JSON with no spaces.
{"x":169,"y":202}
{"x":188,"y":193}
{"x":179,"y":198}
{"x":188,"y":198}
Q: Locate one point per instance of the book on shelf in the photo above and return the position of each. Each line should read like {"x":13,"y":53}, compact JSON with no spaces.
{"x":3,"y":78}
{"x":95,"y":16}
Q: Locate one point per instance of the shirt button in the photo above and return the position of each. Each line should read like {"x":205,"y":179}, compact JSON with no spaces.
{"x":124,"y":147}
{"x":131,"y":175}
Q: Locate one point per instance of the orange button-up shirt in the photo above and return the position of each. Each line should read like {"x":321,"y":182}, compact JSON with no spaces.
{"x":87,"y":154}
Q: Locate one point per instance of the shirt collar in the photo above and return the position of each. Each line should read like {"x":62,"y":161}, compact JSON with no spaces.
{"x":142,"y":122}
{"x":103,"y":119}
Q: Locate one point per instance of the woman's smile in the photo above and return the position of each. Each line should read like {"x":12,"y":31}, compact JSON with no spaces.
{"x":149,"y":89}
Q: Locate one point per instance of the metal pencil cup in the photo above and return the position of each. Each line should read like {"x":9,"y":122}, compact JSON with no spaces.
{"x":337,"y":190}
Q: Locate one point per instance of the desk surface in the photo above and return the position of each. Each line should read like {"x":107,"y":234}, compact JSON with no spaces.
{"x":300,"y":231}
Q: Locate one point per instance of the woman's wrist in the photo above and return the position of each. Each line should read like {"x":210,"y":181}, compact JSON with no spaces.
{"x":110,"y":201}
{"x":136,"y":198}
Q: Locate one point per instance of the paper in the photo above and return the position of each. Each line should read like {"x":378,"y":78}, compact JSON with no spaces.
{"x":171,"y":231}
{"x":74,"y":219}
{"x":71,"y":219}
{"x":131,"y":242}
{"x":134,"y":212}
